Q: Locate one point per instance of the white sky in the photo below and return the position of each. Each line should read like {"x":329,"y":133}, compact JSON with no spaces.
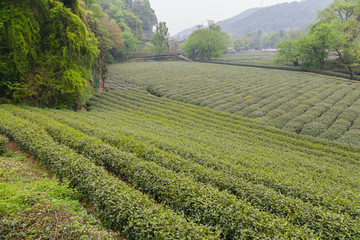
{"x":182,"y":14}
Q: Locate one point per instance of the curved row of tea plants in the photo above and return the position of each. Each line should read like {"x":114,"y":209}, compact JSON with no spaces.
{"x":298,"y":102}
{"x":333,"y":168}
{"x":119,"y":206}
{"x":338,"y":173}
{"x":266,"y":199}
{"x":307,"y":183}
{"x":236,"y":218}
{"x":121,"y":118}
{"x":160,"y":105}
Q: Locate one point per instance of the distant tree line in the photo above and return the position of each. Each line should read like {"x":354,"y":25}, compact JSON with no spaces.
{"x":260,"y":40}
{"x":54,"y":51}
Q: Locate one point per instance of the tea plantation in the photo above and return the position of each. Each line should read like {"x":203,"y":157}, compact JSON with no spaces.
{"x":156,"y":168}
{"x":294,"y":101}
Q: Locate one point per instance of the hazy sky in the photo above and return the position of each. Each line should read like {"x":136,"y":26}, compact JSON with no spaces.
{"x":182,"y":14}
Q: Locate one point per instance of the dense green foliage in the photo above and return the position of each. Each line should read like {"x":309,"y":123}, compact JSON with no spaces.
{"x":206,"y":43}
{"x":160,"y":38}
{"x":132,"y":16}
{"x":50,"y":50}
{"x":343,"y":18}
{"x":46,"y":52}
{"x":248,"y":180}
{"x":335,"y":34}
{"x":298,"y":102}
{"x":287,"y":52}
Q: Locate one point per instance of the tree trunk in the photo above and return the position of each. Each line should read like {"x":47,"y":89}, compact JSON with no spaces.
{"x":339,"y":53}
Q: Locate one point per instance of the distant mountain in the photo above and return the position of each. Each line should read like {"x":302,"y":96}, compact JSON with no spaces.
{"x":238,"y":18}
{"x":183,"y":35}
{"x":186,"y":33}
{"x":285,"y":16}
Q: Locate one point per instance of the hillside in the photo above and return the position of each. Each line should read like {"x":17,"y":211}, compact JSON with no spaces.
{"x":155,"y":168}
{"x":285,"y":16}
{"x":298,"y":102}
{"x":181,"y":36}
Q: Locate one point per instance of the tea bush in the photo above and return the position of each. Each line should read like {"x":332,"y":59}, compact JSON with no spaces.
{"x":3,"y":144}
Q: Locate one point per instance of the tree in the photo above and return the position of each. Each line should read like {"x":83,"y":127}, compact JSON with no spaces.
{"x":134,"y":23}
{"x":277,"y":37}
{"x":160,"y":38}
{"x":314,"y":48}
{"x":206,"y":43}
{"x":337,"y":30}
{"x":239,"y":44}
{"x":145,"y":13}
{"x":343,"y":17}
{"x":288,"y":52}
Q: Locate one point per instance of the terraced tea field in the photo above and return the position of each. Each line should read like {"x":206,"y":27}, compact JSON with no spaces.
{"x":297,"y":102}
{"x":256,"y":57}
{"x":156,"y":168}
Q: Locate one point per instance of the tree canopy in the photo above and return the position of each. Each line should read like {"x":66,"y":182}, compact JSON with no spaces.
{"x":206,"y":43}
{"x":336,"y":32}
{"x":160,"y":38}
{"x":52,"y":50}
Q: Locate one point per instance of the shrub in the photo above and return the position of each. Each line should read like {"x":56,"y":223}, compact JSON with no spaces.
{"x":3,"y":144}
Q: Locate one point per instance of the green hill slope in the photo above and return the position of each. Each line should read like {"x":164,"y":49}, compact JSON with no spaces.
{"x":298,"y":102}
{"x":217,"y":170}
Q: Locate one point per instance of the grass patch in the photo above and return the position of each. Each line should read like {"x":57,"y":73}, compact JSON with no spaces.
{"x":34,"y":205}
